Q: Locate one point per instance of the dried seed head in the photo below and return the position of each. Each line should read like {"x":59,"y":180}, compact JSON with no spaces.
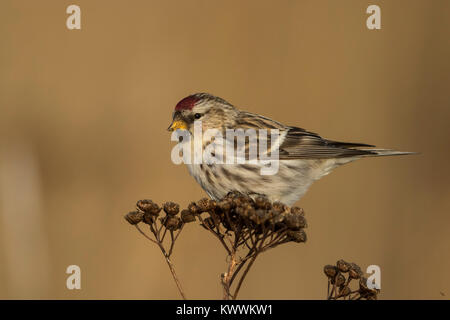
{"x":187,"y":216}
{"x":343,"y":266}
{"x":192,"y":207}
{"x":134,"y":217}
{"x":261,"y":216}
{"x":277,"y":218}
{"x":225,"y":205}
{"x":297,"y":236}
{"x":303,"y":223}
{"x":355,"y":271}
{"x":246,"y":212}
{"x":241,"y":201}
{"x":206,"y":204}
{"x":278,"y":208}
{"x":241,"y":212}
{"x":171,"y":208}
{"x":297,"y":210}
{"x":212,"y":204}
{"x":172,"y":223}
{"x":148,"y":206}
{"x":262,"y":203}
{"x":330,"y":271}
{"x":295,"y":221}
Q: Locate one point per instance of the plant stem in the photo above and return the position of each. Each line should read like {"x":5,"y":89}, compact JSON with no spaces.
{"x":243,"y":275}
{"x":174,"y":275}
{"x":228,"y":276}
{"x":166,"y":256}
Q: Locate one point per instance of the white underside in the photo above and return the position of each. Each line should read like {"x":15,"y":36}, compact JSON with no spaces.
{"x":293,"y":179}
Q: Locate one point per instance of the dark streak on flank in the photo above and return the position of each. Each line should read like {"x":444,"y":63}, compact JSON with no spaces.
{"x":249,"y":167}
{"x":232,"y":176}
{"x":208,"y":176}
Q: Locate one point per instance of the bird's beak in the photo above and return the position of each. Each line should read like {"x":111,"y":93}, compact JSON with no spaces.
{"x":177,"y":124}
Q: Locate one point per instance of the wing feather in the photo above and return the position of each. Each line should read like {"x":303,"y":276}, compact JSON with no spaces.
{"x":301,"y":144}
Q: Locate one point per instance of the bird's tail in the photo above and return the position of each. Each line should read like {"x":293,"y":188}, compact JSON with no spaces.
{"x":385,"y":152}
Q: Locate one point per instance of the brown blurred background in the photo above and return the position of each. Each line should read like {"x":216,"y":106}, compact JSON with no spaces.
{"x":83,"y":118}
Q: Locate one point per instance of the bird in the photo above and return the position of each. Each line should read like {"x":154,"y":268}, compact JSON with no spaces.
{"x":303,"y":156}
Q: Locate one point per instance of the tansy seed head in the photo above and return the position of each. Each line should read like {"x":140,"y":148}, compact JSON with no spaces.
{"x":240,"y":201}
{"x":262,"y":203}
{"x":171,"y":208}
{"x":343,"y":266}
{"x":134,"y":217}
{"x":148,"y":206}
{"x":172,"y":223}
{"x":261,"y":216}
{"x":297,"y":210}
{"x":278,"y":208}
{"x":206,"y":204}
{"x":225,"y":205}
{"x":295,"y":221}
{"x":245,"y":212}
{"x":192,"y":207}
{"x":297,"y":236}
{"x":330,"y":271}
{"x":355,"y":271}
{"x":187,"y":216}
{"x":279,"y":221}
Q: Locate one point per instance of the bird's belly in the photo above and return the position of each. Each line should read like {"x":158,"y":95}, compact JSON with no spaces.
{"x":289,"y":184}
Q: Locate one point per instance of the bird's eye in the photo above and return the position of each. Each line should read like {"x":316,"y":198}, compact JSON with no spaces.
{"x":197,"y":116}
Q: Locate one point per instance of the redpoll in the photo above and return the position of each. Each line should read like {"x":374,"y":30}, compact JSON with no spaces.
{"x":302,"y":156}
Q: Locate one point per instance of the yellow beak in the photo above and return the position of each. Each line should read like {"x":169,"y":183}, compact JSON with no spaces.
{"x":177,"y":124}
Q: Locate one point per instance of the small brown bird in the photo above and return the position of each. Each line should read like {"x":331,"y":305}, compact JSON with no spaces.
{"x":304,"y":157}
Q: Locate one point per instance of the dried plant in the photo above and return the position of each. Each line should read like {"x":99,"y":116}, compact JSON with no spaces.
{"x":245,"y":227}
{"x":340,"y":283}
{"x":170,"y":225}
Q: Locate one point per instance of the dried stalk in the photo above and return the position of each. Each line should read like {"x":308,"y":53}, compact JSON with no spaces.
{"x":341,"y":275}
{"x":241,"y":224}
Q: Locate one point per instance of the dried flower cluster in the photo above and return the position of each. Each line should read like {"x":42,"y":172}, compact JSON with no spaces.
{"x":245,"y":227}
{"x":248,"y":218}
{"x":340,"y":277}
{"x":160,"y":225}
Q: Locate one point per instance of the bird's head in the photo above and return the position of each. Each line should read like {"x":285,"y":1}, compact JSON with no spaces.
{"x":214,"y":112}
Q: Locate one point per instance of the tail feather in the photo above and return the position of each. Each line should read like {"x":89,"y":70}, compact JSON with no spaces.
{"x":386,"y":152}
{"x":339,"y":144}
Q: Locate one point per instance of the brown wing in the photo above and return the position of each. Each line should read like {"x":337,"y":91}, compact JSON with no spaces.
{"x":301,"y":144}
